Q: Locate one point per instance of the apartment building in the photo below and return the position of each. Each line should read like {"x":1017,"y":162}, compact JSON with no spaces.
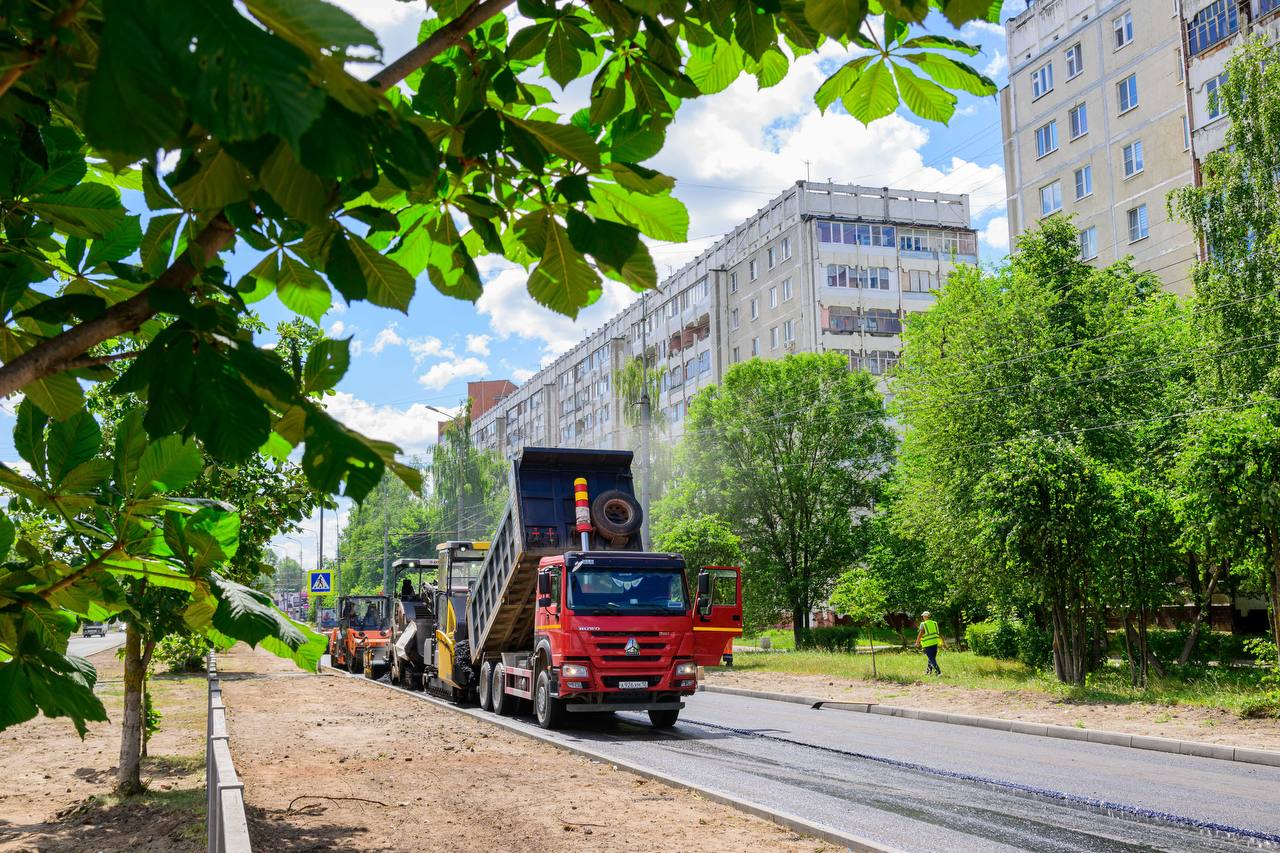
{"x":821,"y":267}
{"x":1095,"y":119}
{"x":1213,"y":30}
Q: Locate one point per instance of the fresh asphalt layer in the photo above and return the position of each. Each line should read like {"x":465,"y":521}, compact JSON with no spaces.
{"x":907,"y":784}
{"x":85,"y":646}
{"x":916,"y":785}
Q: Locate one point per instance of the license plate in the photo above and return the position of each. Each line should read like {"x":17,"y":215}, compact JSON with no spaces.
{"x":633,"y":685}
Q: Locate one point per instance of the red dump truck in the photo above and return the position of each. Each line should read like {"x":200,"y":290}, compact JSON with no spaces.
{"x":573,"y":626}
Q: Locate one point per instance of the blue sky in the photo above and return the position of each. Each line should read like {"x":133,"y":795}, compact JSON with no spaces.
{"x":730,"y":153}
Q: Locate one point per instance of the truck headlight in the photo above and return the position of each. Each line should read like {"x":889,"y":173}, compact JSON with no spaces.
{"x":686,"y":668}
{"x":573,"y":670}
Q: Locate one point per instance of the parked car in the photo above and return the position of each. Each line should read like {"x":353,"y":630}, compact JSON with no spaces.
{"x":94,"y":629}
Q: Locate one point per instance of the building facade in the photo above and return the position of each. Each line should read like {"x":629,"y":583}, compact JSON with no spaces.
{"x":1095,"y":126}
{"x":822,"y":267}
{"x":1111,"y":105}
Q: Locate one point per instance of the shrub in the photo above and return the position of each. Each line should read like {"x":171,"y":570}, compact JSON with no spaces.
{"x":1035,"y":646}
{"x":839,"y":638}
{"x":183,"y":652}
{"x":1167,"y":643}
{"x":994,"y":638}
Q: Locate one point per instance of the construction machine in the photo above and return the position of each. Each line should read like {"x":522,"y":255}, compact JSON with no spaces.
{"x":360,"y":641}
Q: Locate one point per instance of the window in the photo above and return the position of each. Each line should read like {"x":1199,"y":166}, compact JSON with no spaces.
{"x":1051,"y":198}
{"x":1186,"y":131}
{"x":737,"y":356}
{"x":773,"y":297}
{"x":1213,"y":100}
{"x":1089,"y":243}
{"x":1075,"y":61}
{"x":1042,"y":80}
{"x":773,"y":338}
{"x":785,"y":246}
{"x":789,"y":331}
{"x":771,"y":257}
{"x":733,"y":282}
{"x":1123,"y":27}
{"x":1138,"y":226}
{"x":1212,"y":24}
{"x":755,"y":309}
{"x":857,"y":234}
{"x":1084,"y":182}
{"x":1078,"y":117}
{"x":1268,"y":6}
{"x":1047,"y":139}
{"x":733,"y":319}
{"x":1133,"y":159}
{"x":873,"y":278}
{"x":1127,"y":93}
{"x":753,"y":269}
{"x":755,"y":346}
{"x":921,"y":281}
{"x":786,"y":289}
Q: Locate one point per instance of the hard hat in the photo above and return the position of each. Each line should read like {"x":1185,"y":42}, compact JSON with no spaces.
{"x":926,"y":615}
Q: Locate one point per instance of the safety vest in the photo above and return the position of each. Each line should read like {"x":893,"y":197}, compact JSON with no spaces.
{"x":930,"y":637}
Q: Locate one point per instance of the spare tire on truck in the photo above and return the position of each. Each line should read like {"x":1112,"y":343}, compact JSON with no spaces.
{"x":616,"y":514}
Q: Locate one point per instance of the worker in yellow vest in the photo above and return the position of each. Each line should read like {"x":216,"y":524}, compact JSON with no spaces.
{"x":929,"y":639}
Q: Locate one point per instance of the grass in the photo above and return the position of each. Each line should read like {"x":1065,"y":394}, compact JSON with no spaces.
{"x":1215,"y":687}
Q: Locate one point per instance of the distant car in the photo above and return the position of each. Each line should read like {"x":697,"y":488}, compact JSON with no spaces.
{"x":94,"y":629}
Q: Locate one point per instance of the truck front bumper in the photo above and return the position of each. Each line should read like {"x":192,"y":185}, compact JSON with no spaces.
{"x":597,"y":707}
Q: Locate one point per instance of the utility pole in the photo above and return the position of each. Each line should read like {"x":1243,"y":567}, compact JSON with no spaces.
{"x":386,"y":558}
{"x":320,"y":556}
{"x":646,"y":422}
{"x":464,"y":438}
{"x":337,"y":549}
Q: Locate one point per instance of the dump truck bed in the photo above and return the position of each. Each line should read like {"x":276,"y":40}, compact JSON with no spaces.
{"x":538,"y":522}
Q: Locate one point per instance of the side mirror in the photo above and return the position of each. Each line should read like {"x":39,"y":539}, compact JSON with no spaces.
{"x":544,"y":601}
{"x":544,"y":584}
{"x":704,"y":605}
{"x":704,"y":584}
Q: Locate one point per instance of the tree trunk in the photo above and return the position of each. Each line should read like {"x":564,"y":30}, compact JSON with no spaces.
{"x":798,"y":624}
{"x":1148,"y":656}
{"x":1133,"y":651}
{"x":1274,"y":547}
{"x":872,"y":638}
{"x":129,"y":774}
{"x":1202,"y":611}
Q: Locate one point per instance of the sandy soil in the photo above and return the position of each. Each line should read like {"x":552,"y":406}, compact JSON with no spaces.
{"x":1183,"y":722}
{"x":55,"y":788}
{"x":330,"y":762}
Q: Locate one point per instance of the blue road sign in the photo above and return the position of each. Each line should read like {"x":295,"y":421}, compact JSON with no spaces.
{"x":320,"y":582}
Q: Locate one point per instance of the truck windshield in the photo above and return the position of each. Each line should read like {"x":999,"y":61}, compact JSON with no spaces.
{"x":600,"y":589}
{"x":365,"y":615}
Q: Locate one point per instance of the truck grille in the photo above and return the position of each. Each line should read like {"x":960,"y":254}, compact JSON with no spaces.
{"x":631,"y":658}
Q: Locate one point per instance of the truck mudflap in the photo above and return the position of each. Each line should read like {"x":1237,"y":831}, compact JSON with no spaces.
{"x":598,"y":707}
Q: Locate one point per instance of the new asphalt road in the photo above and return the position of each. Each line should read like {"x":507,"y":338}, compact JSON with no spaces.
{"x":85,"y":646}
{"x":916,"y":785}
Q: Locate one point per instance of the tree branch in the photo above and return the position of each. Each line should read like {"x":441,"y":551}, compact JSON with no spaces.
{"x":99,"y":360}
{"x":38,"y":48}
{"x":62,"y":352}
{"x":66,"y":350}
{"x":438,"y":42}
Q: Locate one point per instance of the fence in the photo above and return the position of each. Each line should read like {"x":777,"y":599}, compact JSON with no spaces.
{"x":228,"y":826}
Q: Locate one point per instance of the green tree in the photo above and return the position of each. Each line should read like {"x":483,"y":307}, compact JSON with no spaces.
{"x":289,"y":575}
{"x":861,"y":596}
{"x":1021,"y":392}
{"x":788,"y":452}
{"x":468,"y":485}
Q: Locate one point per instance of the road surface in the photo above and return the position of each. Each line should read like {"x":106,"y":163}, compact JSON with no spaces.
{"x":916,"y":785}
{"x":85,"y":646}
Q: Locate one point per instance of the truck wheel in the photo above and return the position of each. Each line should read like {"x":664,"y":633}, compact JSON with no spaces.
{"x":355,"y":665}
{"x":549,"y":710}
{"x":504,"y":704}
{"x":616,"y":514}
{"x":665,"y":718}
{"x":486,"y":686}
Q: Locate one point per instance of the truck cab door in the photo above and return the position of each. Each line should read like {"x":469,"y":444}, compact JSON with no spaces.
{"x":717,"y":613}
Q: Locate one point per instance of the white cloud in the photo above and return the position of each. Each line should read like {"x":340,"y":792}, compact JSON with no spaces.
{"x":479,"y":344}
{"x":388,"y":337}
{"x":511,"y":311}
{"x":423,"y":348}
{"x":440,"y":375}
{"x":522,"y":374}
{"x":977,"y":29}
{"x":412,"y":428}
{"x":336,"y":328}
{"x":996,"y":233}
{"x":998,"y":66}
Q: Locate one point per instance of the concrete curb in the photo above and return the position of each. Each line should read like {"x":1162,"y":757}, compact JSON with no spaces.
{"x":783,"y":819}
{"x":1222,"y":752}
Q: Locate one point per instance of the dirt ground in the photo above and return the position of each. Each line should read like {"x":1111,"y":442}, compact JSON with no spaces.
{"x":55,"y":788}
{"x":331,"y":762}
{"x":1182,"y":722}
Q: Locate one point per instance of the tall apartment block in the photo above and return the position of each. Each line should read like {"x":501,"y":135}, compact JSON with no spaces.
{"x":822,"y":267}
{"x":1110,"y":105}
{"x":1095,"y":125}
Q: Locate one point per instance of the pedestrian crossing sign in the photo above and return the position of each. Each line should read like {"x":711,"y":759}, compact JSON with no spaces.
{"x":320,"y":583}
